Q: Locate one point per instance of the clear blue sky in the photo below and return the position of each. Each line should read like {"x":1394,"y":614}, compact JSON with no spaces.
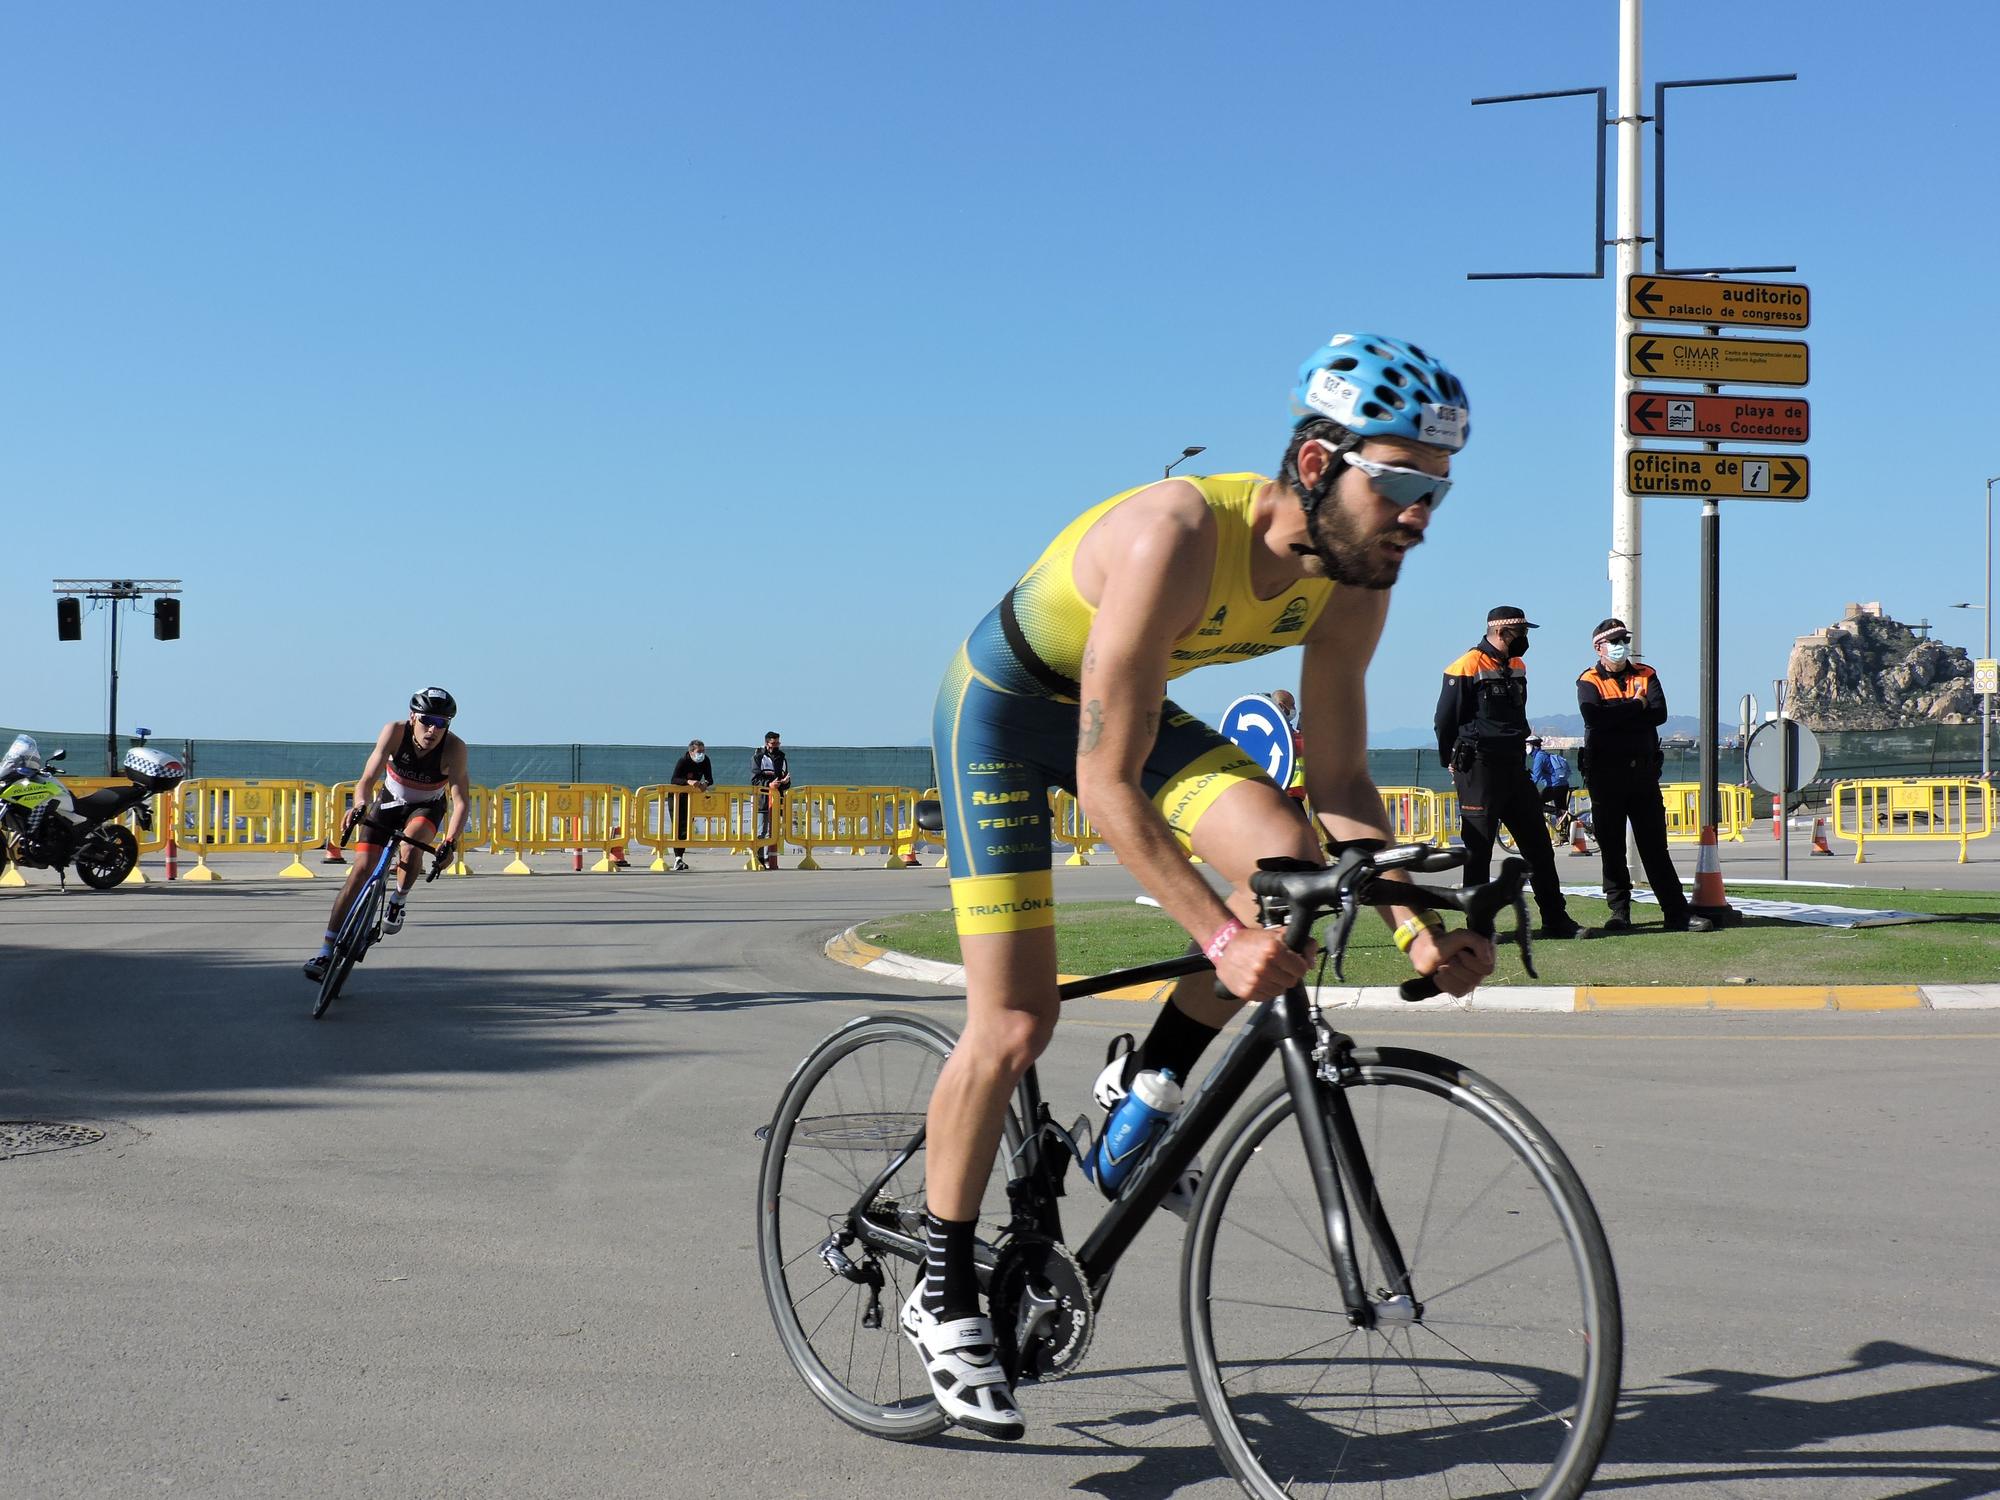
{"x":647,"y":370}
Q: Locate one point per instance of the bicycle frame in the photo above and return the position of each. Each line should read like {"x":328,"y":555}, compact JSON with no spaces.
{"x":1287,"y":1026}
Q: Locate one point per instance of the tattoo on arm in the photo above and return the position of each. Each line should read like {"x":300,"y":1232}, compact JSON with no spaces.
{"x":1091,"y":728}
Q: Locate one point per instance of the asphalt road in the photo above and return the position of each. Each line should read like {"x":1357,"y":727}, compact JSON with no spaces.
{"x":487,"y":1229}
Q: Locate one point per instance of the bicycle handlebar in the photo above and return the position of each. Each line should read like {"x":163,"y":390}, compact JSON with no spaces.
{"x":1300,"y":894}
{"x":395,"y":836}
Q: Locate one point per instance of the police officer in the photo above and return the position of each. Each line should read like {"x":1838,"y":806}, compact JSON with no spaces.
{"x":1623,"y":706}
{"x":1482,"y":733}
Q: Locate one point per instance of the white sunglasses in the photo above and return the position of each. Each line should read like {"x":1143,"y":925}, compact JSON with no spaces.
{"x":1401,"y":487}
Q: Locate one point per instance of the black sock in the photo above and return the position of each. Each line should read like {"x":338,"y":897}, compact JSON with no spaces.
{"x":951,"y":1284}
{"x":1175,"y":1043}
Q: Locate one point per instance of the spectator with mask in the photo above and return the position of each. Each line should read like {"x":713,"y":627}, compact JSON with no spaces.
{"x":692,"y":769}
{"x":771,"y":774}
{"x":1482,"y":734}
{"x":1623,"y":706}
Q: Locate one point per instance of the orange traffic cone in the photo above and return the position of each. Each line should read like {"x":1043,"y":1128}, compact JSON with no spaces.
{"x":1710,"y":900}
{"x":1819,"y":837}
{"x":1576,"y":844}
{"x":333,"y":856}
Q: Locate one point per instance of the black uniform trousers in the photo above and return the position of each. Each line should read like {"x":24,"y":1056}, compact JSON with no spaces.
{"x":1496,"y":790}
{"x":1626,"y":789}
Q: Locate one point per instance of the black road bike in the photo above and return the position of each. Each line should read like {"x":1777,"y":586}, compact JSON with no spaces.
{"x":363,"y":928}
{"x":1392,"y":1277}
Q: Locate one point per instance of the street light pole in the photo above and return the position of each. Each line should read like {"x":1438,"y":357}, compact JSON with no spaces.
{"x":1986,"y":699}
{"x":1186,"y":454}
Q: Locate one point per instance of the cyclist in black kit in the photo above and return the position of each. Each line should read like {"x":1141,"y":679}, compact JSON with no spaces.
{"x":419,"y":761}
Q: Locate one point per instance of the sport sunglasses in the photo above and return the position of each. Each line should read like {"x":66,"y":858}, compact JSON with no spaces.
{"x":433,"y":721}
{"x":1401,"y":487}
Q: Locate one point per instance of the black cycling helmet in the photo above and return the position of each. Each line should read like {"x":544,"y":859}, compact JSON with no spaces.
{"x":435,"y":701}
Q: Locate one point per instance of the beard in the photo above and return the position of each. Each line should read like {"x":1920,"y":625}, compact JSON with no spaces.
{"x":1352,"y":556}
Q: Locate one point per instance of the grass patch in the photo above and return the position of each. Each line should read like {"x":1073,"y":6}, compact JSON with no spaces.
{"x":1963,"y":947}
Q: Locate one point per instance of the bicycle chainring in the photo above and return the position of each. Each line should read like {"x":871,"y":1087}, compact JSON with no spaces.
{"x":1043,"y":1317}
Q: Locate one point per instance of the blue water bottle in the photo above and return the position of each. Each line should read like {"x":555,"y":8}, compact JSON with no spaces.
{"x":1141,"y":1115}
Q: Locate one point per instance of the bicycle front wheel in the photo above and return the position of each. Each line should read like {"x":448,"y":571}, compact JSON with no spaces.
{"x":849,"y":1111}
{"x":1503,"y":1378}
{"x":358,"y":933}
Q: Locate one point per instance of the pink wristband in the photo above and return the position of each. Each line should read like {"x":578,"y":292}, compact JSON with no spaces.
{"x":1221,"y":939}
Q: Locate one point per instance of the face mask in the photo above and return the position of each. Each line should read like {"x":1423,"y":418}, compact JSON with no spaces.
{"x":1621,"y":651}
{"x":1517,"y":645}
{"x":697,"y":756}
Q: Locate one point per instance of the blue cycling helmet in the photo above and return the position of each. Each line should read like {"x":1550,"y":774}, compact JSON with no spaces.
{"x":1382,"y":387}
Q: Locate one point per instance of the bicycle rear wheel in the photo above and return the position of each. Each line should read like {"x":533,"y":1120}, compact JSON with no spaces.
{"x":1506,"y":1379}
{"x":358,"y":933}
{"x":851,"y":1107}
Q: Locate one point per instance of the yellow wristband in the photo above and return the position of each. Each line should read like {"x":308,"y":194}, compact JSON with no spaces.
{"x":1406,"y":931}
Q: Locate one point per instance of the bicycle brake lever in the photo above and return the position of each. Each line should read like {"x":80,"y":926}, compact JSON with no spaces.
{"x":1521,"y":935}
{"x":1343,"y":927}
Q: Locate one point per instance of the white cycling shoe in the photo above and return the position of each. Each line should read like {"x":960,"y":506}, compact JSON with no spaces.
{"x":392,"y":916}
{"x":964,"y":1368}
{"x":1120,"y":1066}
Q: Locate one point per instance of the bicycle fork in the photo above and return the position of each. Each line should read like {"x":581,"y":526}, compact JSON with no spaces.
{"x":1315,"y":1074}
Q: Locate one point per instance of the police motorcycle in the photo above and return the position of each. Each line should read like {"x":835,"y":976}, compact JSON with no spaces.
{"x":44,"y":827}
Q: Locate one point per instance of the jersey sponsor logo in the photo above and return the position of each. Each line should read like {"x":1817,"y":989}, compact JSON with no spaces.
{"x":991,"y":767}
{"x":1008,"y":908}
{"x":1215,"y":622}
{"x":989,"y":799}
{"x":1024,"y":820}
{"x":998,"y":849}
{"x":1293,"y":618}
{"x":1240,"y":648}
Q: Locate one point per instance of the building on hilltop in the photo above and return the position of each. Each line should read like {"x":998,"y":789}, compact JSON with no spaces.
{"x":1871,"y":671}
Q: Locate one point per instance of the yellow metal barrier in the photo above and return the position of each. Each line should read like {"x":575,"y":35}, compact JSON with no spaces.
{"x":474,"y":836}
{"x":1736,"y":810}
{"x":541,"y":817}
{"x":1412,"y":813}
{"x":692,"y":817}
{"x":1070,"y":828}
{"x":1932,"y":809}
{"x":851,"y":817}
{"x":150,"y":841}
{"x":218,"y":815}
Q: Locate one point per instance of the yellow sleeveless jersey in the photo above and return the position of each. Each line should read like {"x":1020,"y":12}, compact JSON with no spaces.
{"x":1032,"y":643}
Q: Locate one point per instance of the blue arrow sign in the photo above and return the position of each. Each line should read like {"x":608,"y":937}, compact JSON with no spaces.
{"x":1254,"y":725}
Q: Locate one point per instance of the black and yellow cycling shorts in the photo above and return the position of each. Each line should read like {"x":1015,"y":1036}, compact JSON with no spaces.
{"x":999,"y":753}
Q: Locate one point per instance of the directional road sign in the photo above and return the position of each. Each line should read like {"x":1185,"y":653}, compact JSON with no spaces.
{"x":1696,"y":299}
{"x":1254,"y":725}
{"x":1673,"y":356}
{"x":1718,"y":419}
{"x":1721,"y":476}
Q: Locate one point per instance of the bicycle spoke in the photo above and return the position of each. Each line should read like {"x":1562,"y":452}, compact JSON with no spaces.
{"x":1281,"y":1249}
{"x":1514,"y":1260}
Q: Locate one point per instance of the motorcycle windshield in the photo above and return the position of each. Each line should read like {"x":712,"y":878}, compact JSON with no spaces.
{"x":23,"y":758}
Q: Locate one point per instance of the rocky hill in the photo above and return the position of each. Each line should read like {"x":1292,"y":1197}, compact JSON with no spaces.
{"x":1872,"y":672}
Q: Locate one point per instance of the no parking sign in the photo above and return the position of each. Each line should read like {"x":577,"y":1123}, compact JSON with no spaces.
{"x":1254,"y":725}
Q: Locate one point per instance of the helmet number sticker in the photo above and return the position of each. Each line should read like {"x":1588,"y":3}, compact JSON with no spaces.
{"x":1331,"y":396}
{"x":1443,"y":426}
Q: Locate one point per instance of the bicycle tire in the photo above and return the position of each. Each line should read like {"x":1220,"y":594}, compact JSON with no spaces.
{"x":1518,"y":1428}
{"x":796,"y":1283}
{"x":347,"y":951}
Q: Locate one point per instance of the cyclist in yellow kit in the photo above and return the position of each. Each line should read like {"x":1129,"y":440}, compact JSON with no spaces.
{"x":1064,"y":684}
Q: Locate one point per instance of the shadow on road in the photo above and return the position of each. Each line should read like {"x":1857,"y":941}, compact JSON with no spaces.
{"x":109,"y":1034}
{"x":1704,"y":1430}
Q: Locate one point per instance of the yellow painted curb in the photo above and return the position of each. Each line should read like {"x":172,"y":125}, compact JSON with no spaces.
{"x":849,"y":949}
{"x":1750,"y":997}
